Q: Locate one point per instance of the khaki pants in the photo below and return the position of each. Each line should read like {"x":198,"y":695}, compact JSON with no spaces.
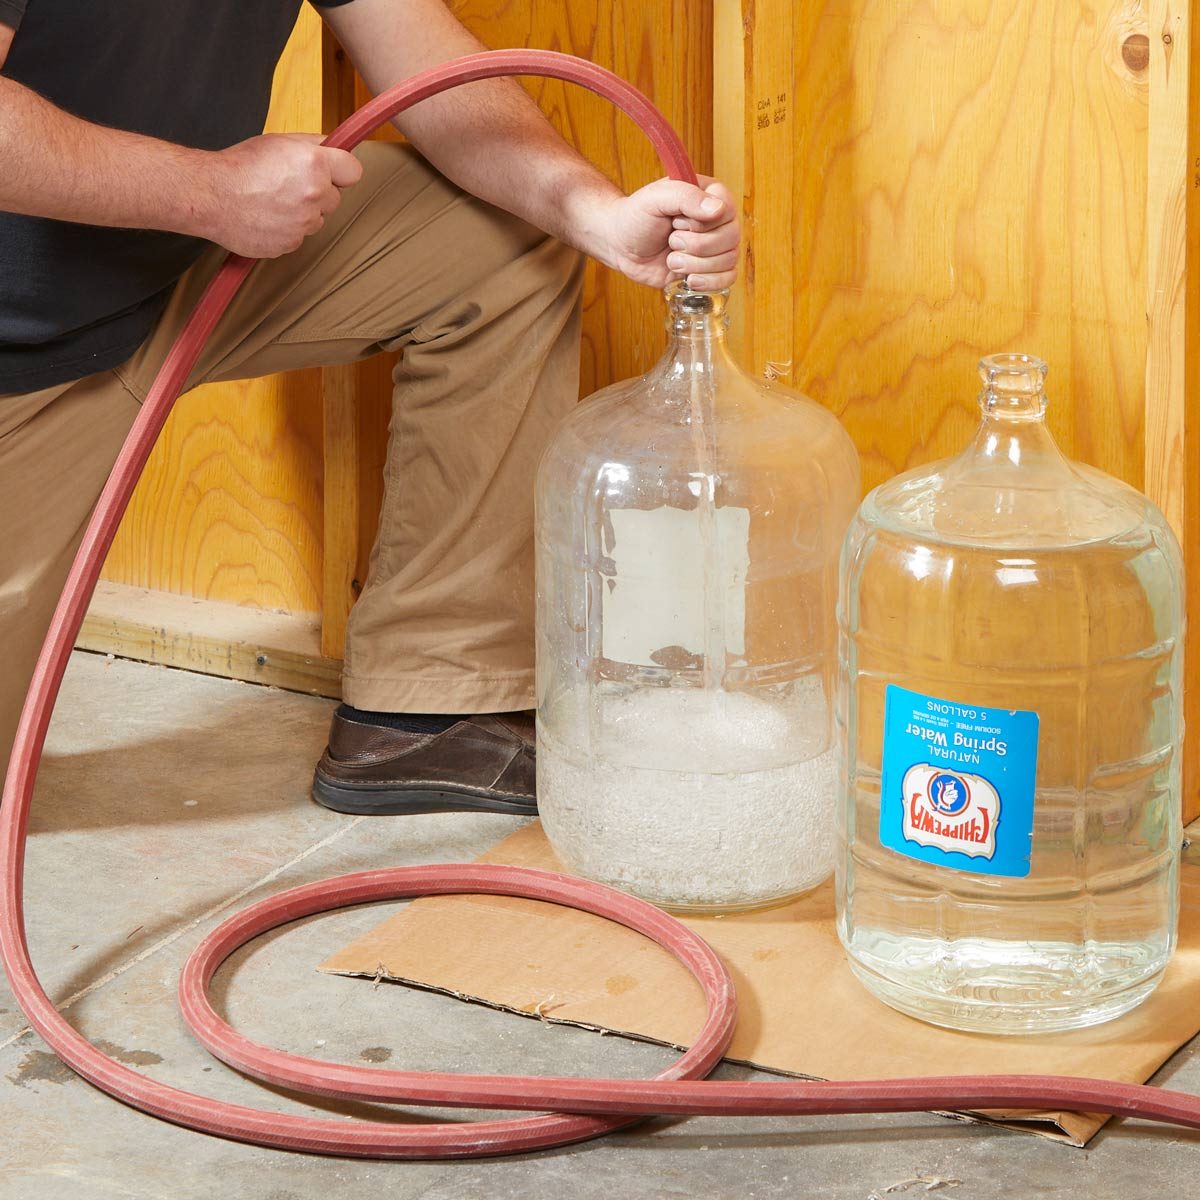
{"x":485,"y":309}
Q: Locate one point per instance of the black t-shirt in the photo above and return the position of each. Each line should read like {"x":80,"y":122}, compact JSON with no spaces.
{"x":76,"y":299}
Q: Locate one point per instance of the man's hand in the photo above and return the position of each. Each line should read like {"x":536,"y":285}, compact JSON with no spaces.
{"x":671,"y":230}
{"x":267,"y":194}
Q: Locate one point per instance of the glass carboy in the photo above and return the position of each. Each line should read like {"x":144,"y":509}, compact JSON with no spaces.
{"x":688,"y":530}
{"x":1011,"y":628}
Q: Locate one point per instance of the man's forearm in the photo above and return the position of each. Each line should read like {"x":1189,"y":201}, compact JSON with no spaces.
{"x":497,"y":144}
{"x":488,"y":137}
{"x":55,"y":165}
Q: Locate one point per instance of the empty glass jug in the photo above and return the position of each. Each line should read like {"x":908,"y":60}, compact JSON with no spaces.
{"x":688,"y":528}
{"x":1011,"y":633}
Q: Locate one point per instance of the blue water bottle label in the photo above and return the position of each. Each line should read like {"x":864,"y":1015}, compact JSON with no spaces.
{"x":958,"y":783}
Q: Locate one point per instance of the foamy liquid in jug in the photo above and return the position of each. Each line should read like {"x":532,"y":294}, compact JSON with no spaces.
{"x":697,"y":799}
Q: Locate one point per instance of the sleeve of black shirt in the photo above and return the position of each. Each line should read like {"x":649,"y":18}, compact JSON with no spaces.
{"x":11,"y":12}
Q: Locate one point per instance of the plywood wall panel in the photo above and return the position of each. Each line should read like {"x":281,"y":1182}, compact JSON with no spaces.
{"x":966,"y":176}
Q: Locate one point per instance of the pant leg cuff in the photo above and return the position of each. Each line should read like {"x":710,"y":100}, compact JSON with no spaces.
{"x":418,"y":694}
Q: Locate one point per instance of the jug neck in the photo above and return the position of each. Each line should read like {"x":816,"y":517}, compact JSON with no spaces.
{"x":697,"y":323}
{"x":1013,"y":405}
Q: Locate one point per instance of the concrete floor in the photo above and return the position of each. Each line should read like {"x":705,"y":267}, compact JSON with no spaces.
{"x":169,"y":799}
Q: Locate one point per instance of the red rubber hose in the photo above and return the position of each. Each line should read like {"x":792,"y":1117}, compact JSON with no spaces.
{"x":584,"y":1107}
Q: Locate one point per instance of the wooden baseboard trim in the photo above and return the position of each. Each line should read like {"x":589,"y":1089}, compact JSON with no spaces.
{"x":279,"y":649}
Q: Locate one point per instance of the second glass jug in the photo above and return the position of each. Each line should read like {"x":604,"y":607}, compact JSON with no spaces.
{"x":1012,"y":632}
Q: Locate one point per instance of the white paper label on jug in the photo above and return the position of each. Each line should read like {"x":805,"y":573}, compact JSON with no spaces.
{"x":958,"y":783}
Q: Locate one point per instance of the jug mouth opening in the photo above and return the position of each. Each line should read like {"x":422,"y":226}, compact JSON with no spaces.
{"x":686,"y":302}
{"x":1014,"y":383}
{"x":1013,"y":373}
{"x":691,"y":312}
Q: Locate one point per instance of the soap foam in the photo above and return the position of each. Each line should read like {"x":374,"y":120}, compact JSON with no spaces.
{"x":696,"y":798}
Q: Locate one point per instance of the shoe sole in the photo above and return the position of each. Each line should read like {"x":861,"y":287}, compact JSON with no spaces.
{"x":388,"y":802}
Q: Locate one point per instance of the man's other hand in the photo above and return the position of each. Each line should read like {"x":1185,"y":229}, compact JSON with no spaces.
{"x":269,"y":193}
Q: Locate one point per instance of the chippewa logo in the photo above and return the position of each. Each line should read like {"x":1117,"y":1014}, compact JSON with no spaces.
{"x":950,"y":810}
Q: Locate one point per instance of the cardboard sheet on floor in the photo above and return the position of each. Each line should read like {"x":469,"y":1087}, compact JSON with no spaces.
{"x":800,"y":1013}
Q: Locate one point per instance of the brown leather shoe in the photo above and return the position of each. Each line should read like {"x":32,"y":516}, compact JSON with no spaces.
{"x":480,"y":764}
